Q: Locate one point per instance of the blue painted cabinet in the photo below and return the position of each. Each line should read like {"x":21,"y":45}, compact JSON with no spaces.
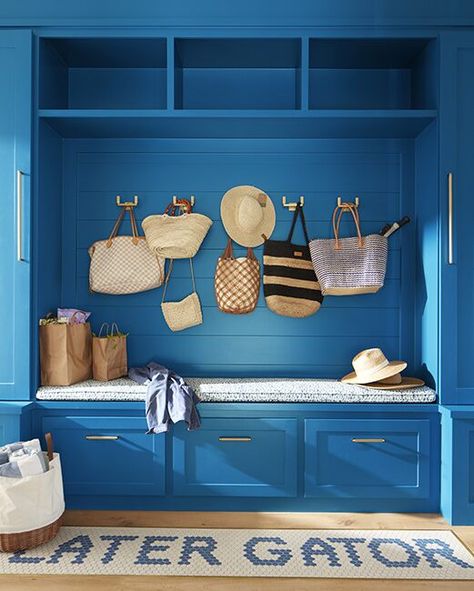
{"x":236,"y":457}
{"x":457,"y":215}
{"x":457,"y":464}
{"x":368,"y":459}
{"x":107,"y":455}
{"x":15,"y":134}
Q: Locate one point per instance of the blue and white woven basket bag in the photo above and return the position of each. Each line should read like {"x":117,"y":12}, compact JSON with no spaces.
{"x":349,"y":266}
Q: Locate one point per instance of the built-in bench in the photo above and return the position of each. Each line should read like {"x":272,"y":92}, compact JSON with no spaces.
{"x":263,"y":445}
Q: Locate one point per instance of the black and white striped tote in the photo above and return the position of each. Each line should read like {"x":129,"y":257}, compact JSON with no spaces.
{"x":290,"y":285}
{"x":349,"y":266}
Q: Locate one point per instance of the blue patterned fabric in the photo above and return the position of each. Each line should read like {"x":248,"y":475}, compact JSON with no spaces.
{"x":169,"y":399}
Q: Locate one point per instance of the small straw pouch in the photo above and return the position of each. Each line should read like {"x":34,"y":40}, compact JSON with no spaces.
{"x":349,"y":266}
{"x":237,"y":282}
{"x":184,"y":313}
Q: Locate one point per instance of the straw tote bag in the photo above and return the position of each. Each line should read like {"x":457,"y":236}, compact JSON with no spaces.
{"x":184,"y":313}
{"x":290,"y":285}
{"x":176,"y":236}
{"x":349,"y":266}
{"x":124,"y":264}
{"x":237,"y":282}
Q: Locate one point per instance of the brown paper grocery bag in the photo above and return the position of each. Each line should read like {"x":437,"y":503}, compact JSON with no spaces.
{"x":109,"y":356}
{"x":65,"y":353}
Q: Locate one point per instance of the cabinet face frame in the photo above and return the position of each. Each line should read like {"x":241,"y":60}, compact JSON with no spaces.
{"x":16,"y":95}
{"x":451,"y":201}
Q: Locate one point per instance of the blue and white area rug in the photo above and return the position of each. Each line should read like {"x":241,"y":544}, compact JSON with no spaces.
{"x":378,"y":554}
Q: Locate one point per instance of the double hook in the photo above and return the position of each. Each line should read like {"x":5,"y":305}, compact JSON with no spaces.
{"x":293,"y":205}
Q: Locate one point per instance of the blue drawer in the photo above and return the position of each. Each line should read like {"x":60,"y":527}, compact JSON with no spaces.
{"x":108,"y":455}
{"x":367,"y":458}
{"x":236,"y":457}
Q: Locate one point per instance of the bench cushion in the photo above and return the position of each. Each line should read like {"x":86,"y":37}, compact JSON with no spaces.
{"x":243,"y":390}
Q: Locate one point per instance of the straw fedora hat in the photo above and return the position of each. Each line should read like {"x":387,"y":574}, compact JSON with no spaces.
{"x":405,"y":384}
{"x":247,"y":213}
{"x":370,"y":366}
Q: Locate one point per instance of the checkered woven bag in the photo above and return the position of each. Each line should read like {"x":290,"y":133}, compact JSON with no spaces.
{"x":237,"y":282}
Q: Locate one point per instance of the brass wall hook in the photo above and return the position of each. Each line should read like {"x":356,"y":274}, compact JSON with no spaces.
{"x":183,"y":206}
{"x":133,"y":203}
{"x":345,"y":204}
{"x":293,"y":205}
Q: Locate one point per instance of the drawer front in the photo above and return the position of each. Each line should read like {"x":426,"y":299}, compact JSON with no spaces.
{"x":108,"y":455}
{"x":236,"y":457}
{"x":367,"y":458}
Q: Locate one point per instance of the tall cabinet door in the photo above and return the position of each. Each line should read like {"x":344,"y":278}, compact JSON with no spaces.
{"x":15,"y":142}
{"x":457,"y":218}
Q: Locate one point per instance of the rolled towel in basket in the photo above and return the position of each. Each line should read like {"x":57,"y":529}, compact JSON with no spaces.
{"x":21,"y":459}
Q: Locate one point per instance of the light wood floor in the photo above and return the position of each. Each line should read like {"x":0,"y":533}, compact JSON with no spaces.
{"x":244,"y":520}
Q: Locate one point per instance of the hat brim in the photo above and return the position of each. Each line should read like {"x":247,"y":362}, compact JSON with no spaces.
{"x":229,"y":211}
{"x":405,"y":384}
{"x":388,"y":371}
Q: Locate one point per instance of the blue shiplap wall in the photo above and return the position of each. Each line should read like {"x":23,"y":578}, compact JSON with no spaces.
{"x":262,"y":343}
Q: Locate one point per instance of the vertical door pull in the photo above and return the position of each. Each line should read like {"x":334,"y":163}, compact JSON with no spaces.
{"x":19,"y":216}
{"x":450,"y":219}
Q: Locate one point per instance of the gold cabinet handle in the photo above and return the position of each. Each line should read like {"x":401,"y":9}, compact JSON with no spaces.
{"x":368,"y":440}
{"x":450,"y":219}
{"x":241,"y":439}
{"x":19,"y":216}
{"x":102,"y":437}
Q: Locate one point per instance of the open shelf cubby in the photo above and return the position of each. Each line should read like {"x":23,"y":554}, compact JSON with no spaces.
{"x":238,"y":73}
{"x":102,"y":73}
{"x":372,"y":73}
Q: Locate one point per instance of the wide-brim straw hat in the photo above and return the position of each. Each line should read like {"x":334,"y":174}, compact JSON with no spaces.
{"x":248,"y":215}
{"x":405,"y":384}
{"x":371,"y":366}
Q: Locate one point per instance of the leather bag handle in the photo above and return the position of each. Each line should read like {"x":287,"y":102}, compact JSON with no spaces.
{"x":49,"y":445}
{"x":336,"y":221}
{"x":118,"y":223}
{"x":229,"y":251}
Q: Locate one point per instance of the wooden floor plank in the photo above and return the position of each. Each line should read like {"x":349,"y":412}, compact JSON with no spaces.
{"x":257,"y":520}
{"x":151,"y":583}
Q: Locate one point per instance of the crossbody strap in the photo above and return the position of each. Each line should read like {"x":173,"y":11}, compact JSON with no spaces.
{"x":168,"y":275}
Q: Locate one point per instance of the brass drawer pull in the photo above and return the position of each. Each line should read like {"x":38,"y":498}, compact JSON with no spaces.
{"x":241,"y":439}
{"x":102,"y":437}
{"x":368,"y":440}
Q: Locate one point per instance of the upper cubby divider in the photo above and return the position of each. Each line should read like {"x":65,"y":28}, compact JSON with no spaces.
{"x":231,"y":73}
{"x":372,"y":73}
{"x":102,"y":73}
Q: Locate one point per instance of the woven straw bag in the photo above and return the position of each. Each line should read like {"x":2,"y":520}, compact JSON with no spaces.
{"x":176,"y":236}
{"x":237,"y":282}
{"x":124,"y":264}
{"x":290,"y":285}
{"x":349,"y":266}
{"x":184,"y":313}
